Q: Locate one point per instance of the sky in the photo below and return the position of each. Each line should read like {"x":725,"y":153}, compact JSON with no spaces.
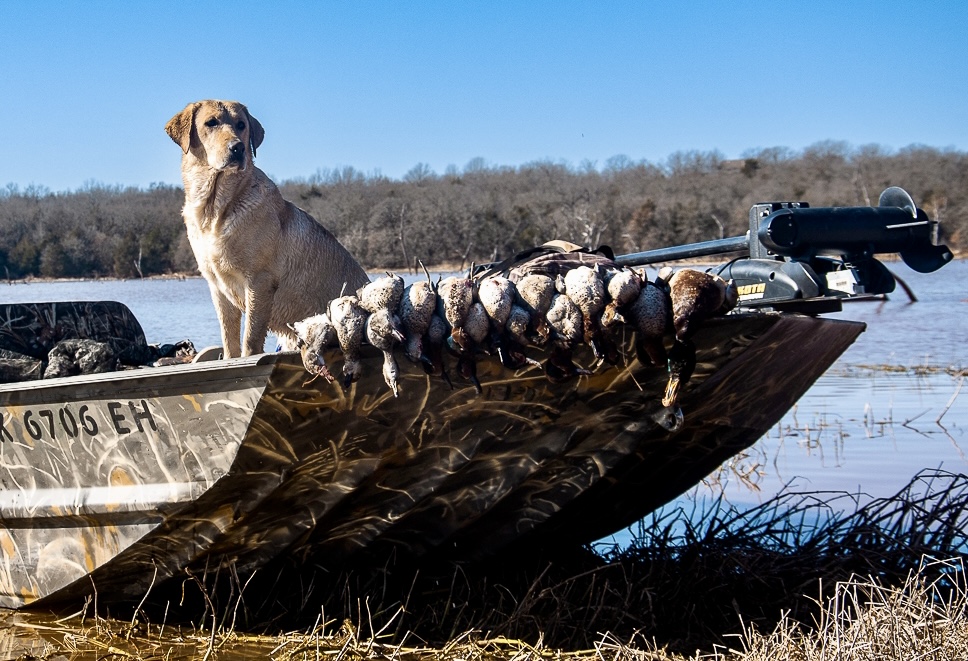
{"x":86,"y":88}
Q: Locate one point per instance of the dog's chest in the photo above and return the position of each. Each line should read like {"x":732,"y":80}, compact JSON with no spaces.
{"x":217,"y":261}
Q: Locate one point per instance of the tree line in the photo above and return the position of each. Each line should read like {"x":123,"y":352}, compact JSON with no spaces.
{"x":485,"y":213}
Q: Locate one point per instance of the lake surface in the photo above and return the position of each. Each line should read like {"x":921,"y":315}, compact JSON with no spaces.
{"x":861,"y":428}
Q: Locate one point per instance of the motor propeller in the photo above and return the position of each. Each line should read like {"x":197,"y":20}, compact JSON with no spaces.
{"x":895,"y":196}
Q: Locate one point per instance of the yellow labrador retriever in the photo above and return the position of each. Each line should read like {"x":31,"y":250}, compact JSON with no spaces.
{"x":260,"y":254}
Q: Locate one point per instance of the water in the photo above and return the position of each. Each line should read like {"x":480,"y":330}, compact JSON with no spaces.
{"x":860,"y":428}
{"x":866,"y":426}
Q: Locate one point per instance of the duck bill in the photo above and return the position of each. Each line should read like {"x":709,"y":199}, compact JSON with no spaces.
{"x":672,"y":390}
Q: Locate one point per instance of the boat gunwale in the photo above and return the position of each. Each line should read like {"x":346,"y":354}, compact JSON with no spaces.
{"x":209,"y":370}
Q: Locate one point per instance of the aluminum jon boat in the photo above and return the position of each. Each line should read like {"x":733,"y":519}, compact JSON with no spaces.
{"x":117,"y":481}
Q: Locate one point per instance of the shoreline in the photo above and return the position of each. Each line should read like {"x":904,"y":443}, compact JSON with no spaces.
{"x":447,"y":267}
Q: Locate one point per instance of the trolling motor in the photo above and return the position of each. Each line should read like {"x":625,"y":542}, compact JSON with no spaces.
{"x":811,"y":259}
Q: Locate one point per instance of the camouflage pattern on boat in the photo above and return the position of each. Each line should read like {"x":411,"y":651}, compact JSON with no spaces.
{"x":33,"y":329}
{"x":47,"y":340}
{"x":118,"y":481}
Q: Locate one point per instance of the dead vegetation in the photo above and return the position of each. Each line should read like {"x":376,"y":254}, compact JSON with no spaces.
{"x":803,"y":576}
{"x":864,"y":619}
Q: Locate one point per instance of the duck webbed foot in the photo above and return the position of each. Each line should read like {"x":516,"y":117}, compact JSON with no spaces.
{"x":560,"y":367}
{"x":603,"y":348}
{"x":432,"y":361}
{"x":467,"y":368}
{"x":651,"y":350}
{"x":542,"y":333}
{"x":512,"y":355}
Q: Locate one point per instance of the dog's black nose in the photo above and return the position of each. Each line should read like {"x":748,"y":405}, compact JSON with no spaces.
{"x":237,"y":149}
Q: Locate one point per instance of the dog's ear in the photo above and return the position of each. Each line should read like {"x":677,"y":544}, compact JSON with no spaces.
{"x":180,"y":126}
{"x":256,"y":133}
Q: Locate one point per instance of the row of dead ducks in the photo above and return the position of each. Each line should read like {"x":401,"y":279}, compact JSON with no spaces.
{"x":464,"y":317}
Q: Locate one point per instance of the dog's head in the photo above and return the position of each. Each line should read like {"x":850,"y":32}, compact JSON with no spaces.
{"x":220,"y":134}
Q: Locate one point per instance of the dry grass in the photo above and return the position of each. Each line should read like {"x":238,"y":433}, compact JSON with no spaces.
{"x":805,"y":576}
{"x":863,"y":620}
{"x":866,"y":620}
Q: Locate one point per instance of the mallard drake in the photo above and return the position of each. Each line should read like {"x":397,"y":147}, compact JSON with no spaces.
{"x":696,"y":297}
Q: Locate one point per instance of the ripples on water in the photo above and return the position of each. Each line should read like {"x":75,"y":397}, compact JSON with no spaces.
{"x":867,"y":427}
{"x":860,"y":428}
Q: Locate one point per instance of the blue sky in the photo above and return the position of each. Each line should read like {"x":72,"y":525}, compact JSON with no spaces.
{"x":86,"y":88}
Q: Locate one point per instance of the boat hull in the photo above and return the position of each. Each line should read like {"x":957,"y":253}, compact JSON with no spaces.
{"x":117,"y":482}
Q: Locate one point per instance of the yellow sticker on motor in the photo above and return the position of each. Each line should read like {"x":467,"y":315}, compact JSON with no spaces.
{"x":747,"y":292}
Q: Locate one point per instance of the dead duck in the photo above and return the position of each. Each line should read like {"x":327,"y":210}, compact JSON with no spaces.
{"x":384,"y":331}
{"x":313,"y":336}
{"x":515,"y":339}
{"x":623,"y":287}
{"x":584,"y":286}
{"x":455,"y":296}
{"x":497,"y":295}
{"x":477,"y":325}
{"x":651,"y":317}
{"x":467,"y":320}
{"x":681,"y":363}
{"x":384,"y":292}
{"x":416,"y":307}
{"x":517,"y":324}
{"x":349,"y":320}
{"x":565,"y":320}
{"x":567,"y":327}
{"x":381,"y":298}
{"x":534,"y":294}
{"x":696,"y":296}
{"x":473,"y":332}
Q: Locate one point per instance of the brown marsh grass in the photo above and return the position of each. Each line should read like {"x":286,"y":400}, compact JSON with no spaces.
{"x":804,"y":576}
{"x":862,"y":620}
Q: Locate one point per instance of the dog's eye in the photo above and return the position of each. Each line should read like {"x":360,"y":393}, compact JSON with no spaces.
{"x":211,"y":123}
{"x":240,"y":125}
